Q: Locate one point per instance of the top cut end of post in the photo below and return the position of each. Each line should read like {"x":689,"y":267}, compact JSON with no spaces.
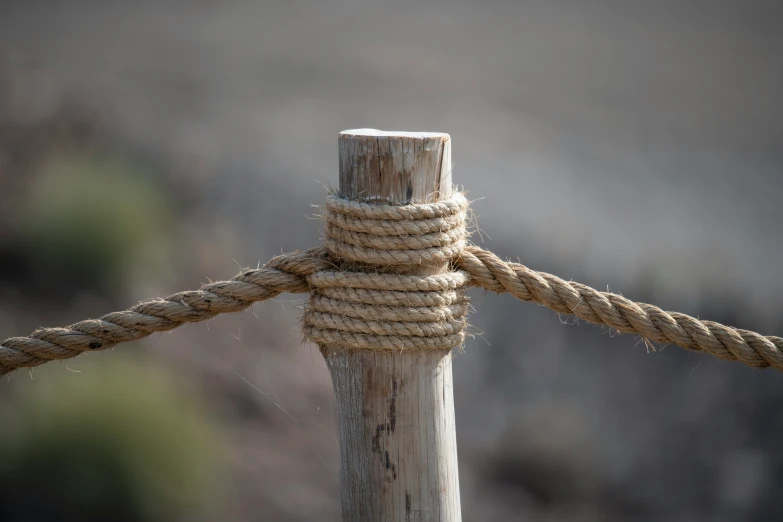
{"x":393,"y":166}
{"x":394,"y":134}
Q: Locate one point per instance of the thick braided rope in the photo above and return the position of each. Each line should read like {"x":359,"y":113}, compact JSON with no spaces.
{"x":395,"y":235}
{"x":351,"y":303}
{"x":374,"y":306}
{"x":284,"y":273}
{"x":650,"y":322}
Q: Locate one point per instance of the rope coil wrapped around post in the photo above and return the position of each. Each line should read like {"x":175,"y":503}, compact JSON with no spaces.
{"x":371,"y":304}
{"x":376,"y":306}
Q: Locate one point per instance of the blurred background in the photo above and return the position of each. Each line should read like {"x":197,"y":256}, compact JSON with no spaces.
{"x":146,"y":147}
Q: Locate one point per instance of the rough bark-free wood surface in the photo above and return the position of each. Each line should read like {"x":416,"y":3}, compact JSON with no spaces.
{"x":404,"y":167}
{"x":396,"y":410}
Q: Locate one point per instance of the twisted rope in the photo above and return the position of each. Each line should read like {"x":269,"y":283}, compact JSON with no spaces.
{"x":648,"y":321}
{"x":284,"y":273}
{"x":370,"y":309}
{"x":395,"y":235}
{"x":377,"y":242}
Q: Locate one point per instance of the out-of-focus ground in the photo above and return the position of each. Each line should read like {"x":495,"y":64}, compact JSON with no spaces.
{"x":148,"y":146}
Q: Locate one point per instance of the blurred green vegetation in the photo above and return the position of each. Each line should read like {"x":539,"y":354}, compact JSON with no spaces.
{"x":91,"y":218}
{"x":119,"y":442}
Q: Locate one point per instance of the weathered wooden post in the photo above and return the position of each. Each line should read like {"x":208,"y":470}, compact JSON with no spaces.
{"x":396,"y":409}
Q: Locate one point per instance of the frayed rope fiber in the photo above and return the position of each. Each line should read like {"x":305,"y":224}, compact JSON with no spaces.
{"x":362,"y":299}
{"x":380,"y":307}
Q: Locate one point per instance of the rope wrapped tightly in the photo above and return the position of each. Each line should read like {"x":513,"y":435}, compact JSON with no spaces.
{"x":395,"y":235}
{"x":375,"y":307}
{"x":363,"y":309}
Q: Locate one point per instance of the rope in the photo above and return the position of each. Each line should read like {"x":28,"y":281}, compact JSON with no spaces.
{"x":361,"y":299}
{"x":284,"y":273}
{"x":408,"y":235}
{"x":377,"y":242}
{"x":648,"y":321}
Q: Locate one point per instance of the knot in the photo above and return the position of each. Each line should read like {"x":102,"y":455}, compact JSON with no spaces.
{"x":375,"y":305}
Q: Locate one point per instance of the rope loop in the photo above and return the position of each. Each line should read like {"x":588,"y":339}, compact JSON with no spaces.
{"x":375,"y":305}
{"x":384,"y":235}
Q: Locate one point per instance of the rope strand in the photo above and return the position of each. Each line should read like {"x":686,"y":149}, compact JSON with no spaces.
{"x":284,"y":273}
{"x":379,"y":307}
{"x":626,"y":316}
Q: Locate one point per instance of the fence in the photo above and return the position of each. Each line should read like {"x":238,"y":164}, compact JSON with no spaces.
{"x":387,"y":307}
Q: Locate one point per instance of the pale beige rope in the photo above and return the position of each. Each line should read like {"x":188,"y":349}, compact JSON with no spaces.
{"x":378,"y":242}
{"x":388,"y":236}
{"x":409,"y":235}
{"x":282,"y":274}
{"x":626,"y":316}
{"x":361,"y":310}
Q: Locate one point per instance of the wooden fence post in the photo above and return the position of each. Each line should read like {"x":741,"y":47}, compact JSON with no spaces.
{"x":396,"y":410}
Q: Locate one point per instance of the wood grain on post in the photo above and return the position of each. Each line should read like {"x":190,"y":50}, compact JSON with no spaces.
{"x":396,"y":410}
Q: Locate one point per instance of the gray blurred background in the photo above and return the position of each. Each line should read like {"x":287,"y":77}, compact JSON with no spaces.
{"x":148,"y":146}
